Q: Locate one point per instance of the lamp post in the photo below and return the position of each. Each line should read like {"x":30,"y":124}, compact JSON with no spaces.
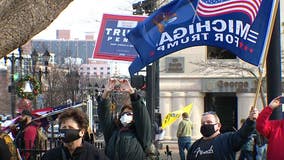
{"x":45,"y":58}
{"x":73,"y":78}
{"x":13,"y":60}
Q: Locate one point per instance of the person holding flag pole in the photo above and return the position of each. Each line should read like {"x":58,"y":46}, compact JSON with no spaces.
{"x":214,"y":145}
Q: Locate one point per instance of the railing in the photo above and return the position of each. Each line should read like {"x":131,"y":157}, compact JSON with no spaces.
{"x":37,"y":153}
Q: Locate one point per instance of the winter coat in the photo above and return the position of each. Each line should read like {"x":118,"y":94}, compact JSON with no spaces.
{"x":273,"y":130}
{"x":126,"y":143}
{"x":86,"y":152}
{"x":226,"y":145}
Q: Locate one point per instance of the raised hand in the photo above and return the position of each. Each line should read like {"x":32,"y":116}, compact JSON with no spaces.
{"x":125,"y":86}
{"x":109,"y":86}
{"x":275,"y":103}
{"x":253,"y":114}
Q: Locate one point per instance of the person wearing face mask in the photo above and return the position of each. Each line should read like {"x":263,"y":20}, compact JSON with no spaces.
{"x":73,"y":125}
{"x":128,"y":136}
{"x":214,"y":145}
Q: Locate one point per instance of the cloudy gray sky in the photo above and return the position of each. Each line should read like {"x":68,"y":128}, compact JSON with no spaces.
{"x":83,"y":16}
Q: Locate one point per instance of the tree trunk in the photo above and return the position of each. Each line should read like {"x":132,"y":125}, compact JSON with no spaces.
{"x":20,"y":20}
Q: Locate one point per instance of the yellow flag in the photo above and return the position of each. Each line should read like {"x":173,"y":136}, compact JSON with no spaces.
{"x":173,"y":116}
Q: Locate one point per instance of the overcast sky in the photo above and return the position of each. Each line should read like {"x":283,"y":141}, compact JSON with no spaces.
{"x":83,"y":16}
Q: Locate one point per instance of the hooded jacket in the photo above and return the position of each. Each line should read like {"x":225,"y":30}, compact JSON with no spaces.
{"x":273,"y":130}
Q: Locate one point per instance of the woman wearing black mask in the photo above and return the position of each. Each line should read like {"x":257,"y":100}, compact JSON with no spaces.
{"x":73,"y":124}
{"x":214,"y":145}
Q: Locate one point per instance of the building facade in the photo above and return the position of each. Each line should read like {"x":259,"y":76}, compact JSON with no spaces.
{"x":226,"y":86}
{"x":196,"y":75}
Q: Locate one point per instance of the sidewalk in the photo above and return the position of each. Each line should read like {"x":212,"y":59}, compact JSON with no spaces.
{"x":172,"y":153}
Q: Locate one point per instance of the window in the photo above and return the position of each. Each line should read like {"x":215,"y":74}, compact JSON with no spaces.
{"x":175,"y":64}
{"x":95,"y":68}
{"x":102,"y":68}
{"x":219,"y":53}
{"x":88,"y":68}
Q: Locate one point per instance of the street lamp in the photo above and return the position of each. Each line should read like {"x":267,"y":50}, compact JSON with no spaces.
{"x":13,"y":60}
{"x":73,"y":78}
{"x":45,"y":57}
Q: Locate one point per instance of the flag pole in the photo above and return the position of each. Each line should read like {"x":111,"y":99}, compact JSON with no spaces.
{"x":265,"y":54}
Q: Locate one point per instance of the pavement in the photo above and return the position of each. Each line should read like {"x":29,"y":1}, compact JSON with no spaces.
{"x":171,"y":153}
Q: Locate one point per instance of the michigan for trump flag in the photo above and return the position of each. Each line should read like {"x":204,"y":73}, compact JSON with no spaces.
{"x":240,"y":26}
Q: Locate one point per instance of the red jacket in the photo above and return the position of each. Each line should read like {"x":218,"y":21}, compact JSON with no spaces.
{"x":29,"y":138}
{"x":273,"y":130}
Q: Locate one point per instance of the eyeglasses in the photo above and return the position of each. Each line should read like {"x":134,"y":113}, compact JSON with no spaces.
{"x":127,"y":113}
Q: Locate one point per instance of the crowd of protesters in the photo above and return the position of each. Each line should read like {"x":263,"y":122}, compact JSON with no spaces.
{"x":128,"y":133}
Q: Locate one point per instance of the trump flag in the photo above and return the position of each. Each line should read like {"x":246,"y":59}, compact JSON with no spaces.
{"x":173,"y":116}
{"x":240,"y":26}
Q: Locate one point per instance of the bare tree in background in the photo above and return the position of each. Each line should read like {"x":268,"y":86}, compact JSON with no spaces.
{"x":233,"y":68}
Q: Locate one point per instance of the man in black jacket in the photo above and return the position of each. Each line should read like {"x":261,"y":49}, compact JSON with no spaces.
{"x":214,"y":145}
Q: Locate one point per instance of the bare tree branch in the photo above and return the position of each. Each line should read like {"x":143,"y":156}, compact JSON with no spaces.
{"x":20,"y":20}
{"x":232,"y":68}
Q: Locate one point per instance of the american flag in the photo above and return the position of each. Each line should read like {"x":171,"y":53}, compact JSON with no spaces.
{"x":208,"y":8}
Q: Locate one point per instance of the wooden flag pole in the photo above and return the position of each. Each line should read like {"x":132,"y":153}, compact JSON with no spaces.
{"x":265,"y":54}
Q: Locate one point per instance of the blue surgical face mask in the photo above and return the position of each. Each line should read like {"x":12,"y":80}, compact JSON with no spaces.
{"x":69,"y":135}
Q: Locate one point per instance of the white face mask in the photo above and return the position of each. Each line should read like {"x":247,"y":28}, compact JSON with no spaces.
{"x":126,"y":118}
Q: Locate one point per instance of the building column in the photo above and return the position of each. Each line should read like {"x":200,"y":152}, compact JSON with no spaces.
{"x":197,"y":100}
{"x":165,"y":108}
{"x":245,"y":101}
{"x":178,"y":102}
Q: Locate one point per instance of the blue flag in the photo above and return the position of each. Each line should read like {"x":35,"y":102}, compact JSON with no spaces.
{"x":240,"y":26}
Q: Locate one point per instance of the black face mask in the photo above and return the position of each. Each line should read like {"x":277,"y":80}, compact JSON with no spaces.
{"x":69,"y":135}
{"x":207,"y":130}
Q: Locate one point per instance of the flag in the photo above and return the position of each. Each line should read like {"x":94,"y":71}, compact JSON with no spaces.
{"x":244,"y":30}
{"x":42,"y":111}
{"x":208,"y":8}
{"x":173,"y":116}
